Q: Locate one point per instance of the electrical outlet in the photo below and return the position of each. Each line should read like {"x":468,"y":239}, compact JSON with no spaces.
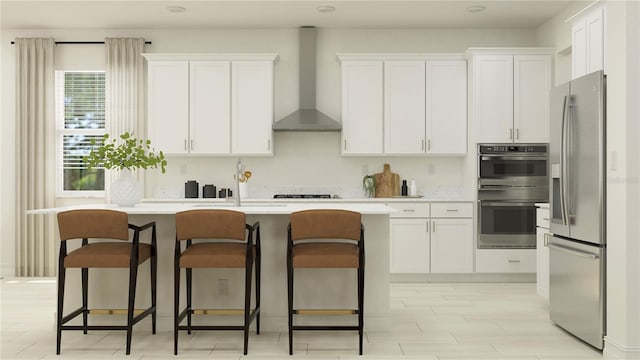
{"x":183,"y":169}
{"x":223,"y":287}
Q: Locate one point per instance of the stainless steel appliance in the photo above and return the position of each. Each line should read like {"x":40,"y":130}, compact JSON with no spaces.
{"x":577,"y":249}
{"x":511,"y":179}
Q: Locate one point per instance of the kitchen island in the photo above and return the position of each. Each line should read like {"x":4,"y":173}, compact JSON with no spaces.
{"x":224,"y":288}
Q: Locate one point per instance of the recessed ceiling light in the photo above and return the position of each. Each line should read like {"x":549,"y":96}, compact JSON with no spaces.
{"x":476,"y":8}
{"x":176,"y":9}
{"x":326,"y":9}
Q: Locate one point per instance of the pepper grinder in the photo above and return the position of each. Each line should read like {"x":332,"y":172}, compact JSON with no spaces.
{"x":405,"y":190}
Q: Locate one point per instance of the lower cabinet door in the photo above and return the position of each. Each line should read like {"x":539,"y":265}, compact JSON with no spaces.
{"x":542,"y":263}
{"x":409,"y":253}
{"x":452,"y":246}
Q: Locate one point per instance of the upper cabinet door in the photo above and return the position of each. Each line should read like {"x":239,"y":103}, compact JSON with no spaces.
{"x":531,"y":86}
{"x":169,"y":106}
{"x":404,"y":107}
{"x":252,"y":107}
{"x":493,"y":97}
{"x":362,"y":99}
{"x":595,"y":24}
{"x":210,"y":104}
{"x":578,"y":49}
{"x":446,"y":104}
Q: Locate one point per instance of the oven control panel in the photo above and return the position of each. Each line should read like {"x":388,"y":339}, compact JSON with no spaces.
{"x":512,"y":149}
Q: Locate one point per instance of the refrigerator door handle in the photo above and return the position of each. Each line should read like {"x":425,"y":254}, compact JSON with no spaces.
{"x":563,"y":205}
{"x":573,"y":251}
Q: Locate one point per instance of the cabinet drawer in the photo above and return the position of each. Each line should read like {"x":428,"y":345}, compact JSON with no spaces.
{"x":409,"y":210}
{"x":506,"y":261}
{"x":451,"y":210}
{"x":542,"y":217}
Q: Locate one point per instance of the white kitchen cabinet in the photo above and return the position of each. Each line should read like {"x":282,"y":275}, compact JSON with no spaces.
{"x":252,"y":107}
{"x":506,"y":260}
{"x":404,"y":104}
{"x":210,"y":109}
{"x":587,"y":42}
{"x":362,"y":101}
{"x":446,"y":107}
{"x":531,"y":86}
{"x":409,"y":238}
{"x":511,"y":97}
{"x":404,"y":107}
{"x":431,"y":238}
{"x":451,"y":238}
{"x":169,"y":106}
{"x":542,"y":253}
{"x":211,"y":104}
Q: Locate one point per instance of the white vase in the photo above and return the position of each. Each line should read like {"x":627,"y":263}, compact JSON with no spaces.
{"x":126,"y":191}
{"x":243,"y":189}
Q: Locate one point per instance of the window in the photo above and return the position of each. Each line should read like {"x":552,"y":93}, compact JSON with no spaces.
{"x":80,"y":116}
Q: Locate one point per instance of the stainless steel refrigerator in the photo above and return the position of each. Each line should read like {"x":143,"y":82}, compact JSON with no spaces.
{"x":577,"y":249}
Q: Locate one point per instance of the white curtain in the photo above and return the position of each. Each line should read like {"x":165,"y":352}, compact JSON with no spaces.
{"x":35,"y":144}
{"x":124,"y":90}
{"x":124,"y":86}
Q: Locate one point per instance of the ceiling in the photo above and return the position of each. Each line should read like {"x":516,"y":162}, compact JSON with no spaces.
{"x":149,"y":14}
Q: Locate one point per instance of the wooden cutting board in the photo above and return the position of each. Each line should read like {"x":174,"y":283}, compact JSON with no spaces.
{"x":387,"y":183}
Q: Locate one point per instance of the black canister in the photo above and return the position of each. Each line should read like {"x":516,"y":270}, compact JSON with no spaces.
{"x":222,"y":193}
{"x":208,"y":191}
{"x":191,"y":189}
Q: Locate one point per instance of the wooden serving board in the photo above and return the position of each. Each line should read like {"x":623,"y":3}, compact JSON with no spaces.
{"x":387,"y":183}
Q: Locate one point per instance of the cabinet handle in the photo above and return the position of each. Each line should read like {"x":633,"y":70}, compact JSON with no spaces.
{"x":514,"y":261}
{"x":345,"y":144}
{"x":409,"y":210}
{"x":427,"y":226}
{"x":510,"y":133}
{"x":422,"y":141}
{"x":191,"y":145}
{"x":545,"y":219}
{"x":433,"y":227}
{"x":429,"y":144}
{"x":452,"y":210}
{"x":517,"y":133}
{"x":269,"y":144}
{"x":185,"y":144}
{"x":546,"y":239}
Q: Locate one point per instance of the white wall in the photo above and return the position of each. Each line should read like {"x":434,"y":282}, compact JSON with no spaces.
{"x":301,"y":159}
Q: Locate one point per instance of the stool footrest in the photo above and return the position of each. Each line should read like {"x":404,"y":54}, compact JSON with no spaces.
{"x":207,"y":327}
{"x":331,"y":328}
{"x":94,"y":327}
{"x":114,"y":311}
{"x":217,"y":311}
{"x":325,"y":311}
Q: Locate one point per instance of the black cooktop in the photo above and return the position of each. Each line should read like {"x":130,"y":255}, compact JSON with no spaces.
{"x":302,"y":196}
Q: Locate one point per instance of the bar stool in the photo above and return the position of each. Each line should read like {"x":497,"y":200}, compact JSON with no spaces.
{"x":233,"y":253}
{"x":104,"y":224}
{"x":303,"y":252}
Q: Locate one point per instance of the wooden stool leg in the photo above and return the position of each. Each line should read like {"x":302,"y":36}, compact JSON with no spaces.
{"x":85,"y":298}
{"x":154,"y":284}
{"x":189,"y":288}
{"x":290,"y":302}
{"x":61,"y":279}
{"x":133,"y":275}
{"x":176,"y":304}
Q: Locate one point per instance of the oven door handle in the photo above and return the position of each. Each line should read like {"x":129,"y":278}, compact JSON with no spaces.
{"x":505,"y":203}
{"x":519,"y":157}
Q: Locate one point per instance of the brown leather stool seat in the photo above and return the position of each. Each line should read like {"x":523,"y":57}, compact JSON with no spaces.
{"x":234,"y":248}
{"x":325,"y":239}
{"x":112,"y":225}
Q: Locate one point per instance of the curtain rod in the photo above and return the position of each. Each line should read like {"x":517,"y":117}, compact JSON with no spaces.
{"x":81,"y":42}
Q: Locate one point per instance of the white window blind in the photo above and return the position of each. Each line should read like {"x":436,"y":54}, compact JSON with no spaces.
{"x":80,"y":113}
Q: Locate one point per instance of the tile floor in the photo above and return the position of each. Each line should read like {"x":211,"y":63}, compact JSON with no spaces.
{"x":429,"y":321}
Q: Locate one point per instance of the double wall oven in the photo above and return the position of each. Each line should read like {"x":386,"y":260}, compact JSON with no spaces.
{"x":511,"y":179}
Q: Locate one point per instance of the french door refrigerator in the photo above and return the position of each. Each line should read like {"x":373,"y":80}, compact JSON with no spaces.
{"x":577,"y":249}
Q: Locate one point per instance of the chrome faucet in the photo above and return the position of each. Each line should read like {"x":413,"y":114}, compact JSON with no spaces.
{"x":237,"y":176}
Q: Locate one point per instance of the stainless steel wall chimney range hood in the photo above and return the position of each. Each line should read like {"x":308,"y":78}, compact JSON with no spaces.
{"x":307,"y":118}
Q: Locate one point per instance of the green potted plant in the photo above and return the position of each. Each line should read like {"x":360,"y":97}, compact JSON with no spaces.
{"x":126,"y":153}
